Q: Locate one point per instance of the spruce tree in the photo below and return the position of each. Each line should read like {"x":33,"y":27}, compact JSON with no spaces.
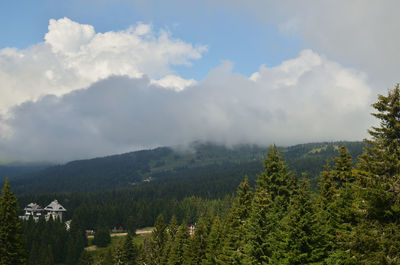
{"x":343,"y":169}
{"x":118,"y":255}
{"x":234,"y":237}
{"x":382,"y":153}
{"x":380,"y":182}
{"x":381,"y":160}
{"x":85,"y":259}
{"x":337,"y":210}
{"x":214,"y":248}
{"x":11,"y":242}
{"x":298,"y":234}
{"x":76,"y":242}
{"x":158,"y":242}
{"x":107,"y":258}
{"x":131,"y":225}
{"x":129,"y":251}
{"x":196,"y":251}
{"x":102,"y":237}
{"x":172,"y":229}
{"x":180,"y":244}
{"x":272,"y":195}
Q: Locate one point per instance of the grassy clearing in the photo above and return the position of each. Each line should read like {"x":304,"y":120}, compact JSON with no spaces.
{"x":116,"y":240}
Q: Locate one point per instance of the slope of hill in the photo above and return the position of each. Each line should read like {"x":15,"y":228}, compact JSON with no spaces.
{"x":12,"y":170}
{"x":207,"y":163}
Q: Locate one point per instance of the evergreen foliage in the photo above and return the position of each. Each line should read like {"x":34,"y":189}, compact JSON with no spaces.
{"x":196,"y":251}
{"x":179,"y":245}
{"x":214,"y":242}
{"x":234,"y":237}
{"x":271,"y":198}
{"x":380,"y":182}
{"x":129,"y":251}
{"x":298,"y":230}
{"x":158,"y":242}
{"x":102,"y":237}
{"x":85,"y":259}
{"x":12,"y":249}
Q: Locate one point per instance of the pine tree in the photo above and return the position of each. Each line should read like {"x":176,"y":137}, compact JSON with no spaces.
{"x":298,"y":230}
{"x":158,"y":241}
{"x":382,"y":154}
{"x":76,"y":241}
{"x":46,"y":255}
{"x":107,"y":258}
{"x":235,"y":233}
{"x":343,"y":170}
{"x":131,"y":225}
{"x":381,"y":160}
{"x":337,"y":210}
{"x":129,"y":251}
{"x":11,"y":242}
{"x":273,"y":190}
{"x":380,"y":182}
{"x":118,"y":256}
{"x":33,"y":254}
{"x":214,"y":242}
{"x":85,"y":259}
{"x":102,"y":237}
{"x":196,"y":251}
{"x":172,"y":229}
{"x":180,"y":244}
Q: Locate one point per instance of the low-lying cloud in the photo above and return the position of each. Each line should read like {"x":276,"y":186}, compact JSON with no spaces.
{"x":308,"y":98}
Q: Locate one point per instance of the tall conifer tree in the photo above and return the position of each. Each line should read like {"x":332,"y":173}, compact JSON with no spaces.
{"x":179,"y":245}
{"x":298,"y":230}
{"x":337,"y":209}
{"x":196,"y":251}
{"x":214,"y":242}
{"x":235,"y":233}
{"x":380,"y":180}
{"x":129,"y":251}
{"x":11,"y":243}
{"x":272,"y":195}
{"x":158,"y":242}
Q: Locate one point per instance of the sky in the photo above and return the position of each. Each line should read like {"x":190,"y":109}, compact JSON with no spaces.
{"x":80,"y":79}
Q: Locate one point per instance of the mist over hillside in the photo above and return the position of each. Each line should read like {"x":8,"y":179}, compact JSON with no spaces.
{"x":203,"y":160}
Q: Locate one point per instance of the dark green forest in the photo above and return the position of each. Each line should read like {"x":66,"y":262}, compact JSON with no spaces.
{"x":164,"y":164}
{"x":322,"y":203}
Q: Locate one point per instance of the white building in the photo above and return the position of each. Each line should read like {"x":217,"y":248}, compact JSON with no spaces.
{"x":54,"y":210}
{"x":32,"y":210}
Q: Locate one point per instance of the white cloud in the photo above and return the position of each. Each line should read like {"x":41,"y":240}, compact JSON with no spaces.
{"x":74,"y":56}
{"x":308,"y":98}
{"x":174,"y":82}
{"x":363,"y":34}
{"x":66,"y":36}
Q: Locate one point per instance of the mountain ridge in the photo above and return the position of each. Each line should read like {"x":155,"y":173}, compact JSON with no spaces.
{"x":140,"y":167}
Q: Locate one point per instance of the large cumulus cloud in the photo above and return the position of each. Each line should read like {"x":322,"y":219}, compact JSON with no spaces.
{"x":307,"y":98}
{"x":73,"y":56}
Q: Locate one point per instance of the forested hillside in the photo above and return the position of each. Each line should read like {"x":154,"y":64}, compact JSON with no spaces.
{"x":13,"y":170}
{"x":198,"y":163}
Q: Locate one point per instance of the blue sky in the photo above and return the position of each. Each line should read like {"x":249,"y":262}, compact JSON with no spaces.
{"x":239,"y":37}
{"x":87,"y":78}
